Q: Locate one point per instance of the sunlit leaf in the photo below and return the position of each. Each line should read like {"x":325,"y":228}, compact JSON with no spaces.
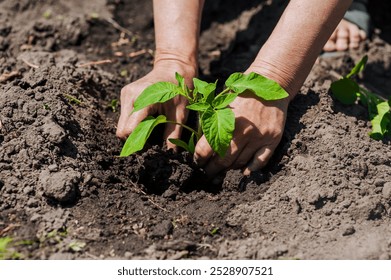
{"x":207,"y":90}
{"x":218,"y":127}
{"x":261,"y":86}
{"x":381,"y":122}
{"x":224,"y":100}
{"x":157,"y":93}
{"x":139,"y":136}
{"x":358,"y":67}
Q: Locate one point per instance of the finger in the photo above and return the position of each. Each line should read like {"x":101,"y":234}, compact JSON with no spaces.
{"x":259,"y":160}
{"x":342,"y":41}
{"x":363,"y":35}
{"x":244,"y":157}
{"x":354,"y":37}
{"x":217,"y":163}
{"x":330,"y":44}
{"x":127,"y":123}
{"x":203,"y":152}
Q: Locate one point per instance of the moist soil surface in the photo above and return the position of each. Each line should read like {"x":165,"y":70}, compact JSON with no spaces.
{"x":64,"y":193}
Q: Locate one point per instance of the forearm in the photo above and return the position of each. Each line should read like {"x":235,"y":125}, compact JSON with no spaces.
{"x":289,"y":54}
{"x":177,"y":24}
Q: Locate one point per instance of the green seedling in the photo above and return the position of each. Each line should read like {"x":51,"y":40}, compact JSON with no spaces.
{"x":347,"y":91}
{"x":76,"y":246}
{"x":47,"y":14}
{"x":72,"y":99}
{"x":216,"y":119}
{"x":6,"y":250}
{"x":113,"y":105}
{"x":123,"y":73}
{"x":214,"y":231}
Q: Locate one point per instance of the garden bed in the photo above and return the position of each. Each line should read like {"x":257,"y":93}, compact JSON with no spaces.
{"x":64,"y":193}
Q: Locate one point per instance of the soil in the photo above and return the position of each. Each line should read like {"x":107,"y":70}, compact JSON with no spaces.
{"x":326,"y":194}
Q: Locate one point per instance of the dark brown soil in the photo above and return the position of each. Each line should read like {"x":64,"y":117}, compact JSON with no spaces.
{"x":64,"y":194}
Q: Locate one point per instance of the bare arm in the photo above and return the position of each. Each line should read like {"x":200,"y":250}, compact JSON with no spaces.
{"x":303,"y":29}
{"x":176,"y":30}
{"x":177,"y":25}
{"x":287,"y":58}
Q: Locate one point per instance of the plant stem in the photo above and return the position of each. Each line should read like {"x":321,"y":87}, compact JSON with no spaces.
{"x":187,"y":127}
{"x":223,"y":92}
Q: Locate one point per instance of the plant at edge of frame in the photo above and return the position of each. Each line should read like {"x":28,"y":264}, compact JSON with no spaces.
{"x":216,"y":119}
{"x":347,"y":91}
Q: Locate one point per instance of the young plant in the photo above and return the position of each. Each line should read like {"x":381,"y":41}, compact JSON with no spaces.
{"x":6,"y":249}
{"x":347,"y":91}
{"x":216,"y":119}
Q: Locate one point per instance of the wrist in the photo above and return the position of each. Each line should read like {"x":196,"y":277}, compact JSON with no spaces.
{"x":278,"y":75}
{"x":183,"y":63}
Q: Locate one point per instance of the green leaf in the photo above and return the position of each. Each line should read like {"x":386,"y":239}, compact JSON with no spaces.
{"x":218,"y":127}
{"x":381,"y":122}
{"x":179,"y":143}
{"x":224,"y":100}
{"x":370,"y":100}
{"x":181,"y":80}
{"x":345,"y":90}
{"x":76,"y":246}
{"x":4,"y":242}
{"x":139,"y":136}
{"x":191,"y":143}
{"x":200,"y":106}
{"x":157,"y":93}
{"x":261,"y":86}
{"x":358,"y":67}
{"x":207,"y":90}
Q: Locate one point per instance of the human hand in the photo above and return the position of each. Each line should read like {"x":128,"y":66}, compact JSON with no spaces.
{"x":259,"y":127}
{"x":175,"y":109}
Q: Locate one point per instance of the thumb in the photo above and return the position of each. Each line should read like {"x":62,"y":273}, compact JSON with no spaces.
{"x":203,"y":152}
{"x":127,"y":123}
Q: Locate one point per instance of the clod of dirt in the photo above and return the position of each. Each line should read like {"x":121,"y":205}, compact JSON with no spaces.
{"x":349,"y":230}
{"x":386,"y":192}
{"x":53,"y":131}
{"x":162,"y":229}
{"x":60,"y":186}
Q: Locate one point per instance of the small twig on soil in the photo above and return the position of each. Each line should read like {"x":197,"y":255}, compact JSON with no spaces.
{"x":99,"y":62}
{"x":137,"y":53}
{"x":8,"y":228}
{"x":30,"y":64}
{"x":119,"y":27}
{"x":6,"y":76}
{"x":1,"y":125}
{"x":140,"y":191}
